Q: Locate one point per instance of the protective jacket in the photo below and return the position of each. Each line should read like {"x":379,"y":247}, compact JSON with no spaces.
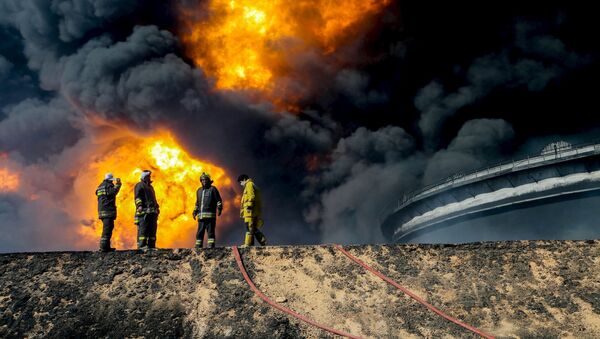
{"x":208,"y":201}
{"x":251,"y":206}
{"x":146,"y":199}
{"x":107,"y":194}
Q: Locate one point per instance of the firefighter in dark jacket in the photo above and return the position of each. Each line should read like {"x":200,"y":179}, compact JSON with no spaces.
{"x":251,"y":211}
{"x":208,"y":205}
{"x":107,"y":209}
{"x":146,"y":211}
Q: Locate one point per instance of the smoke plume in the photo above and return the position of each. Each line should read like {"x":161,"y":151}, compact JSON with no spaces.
{"x":399,"y":99}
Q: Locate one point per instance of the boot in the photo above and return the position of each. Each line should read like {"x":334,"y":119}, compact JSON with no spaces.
{"x":105,"y":245}
{"x":211,"y":243}
{"x":249,"y":240}
{"x":152,"y":243}
{"x":198,"y":245}
{"x":142,"y":243}
{"x":261,"y":239}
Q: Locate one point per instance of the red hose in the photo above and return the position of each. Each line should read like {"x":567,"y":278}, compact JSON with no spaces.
{"x":412,"y":295}
{"x":238,"y":258}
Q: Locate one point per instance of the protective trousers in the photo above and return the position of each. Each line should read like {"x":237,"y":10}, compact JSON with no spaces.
{"x":253,"y":232}
{"x":108,"y":224}
{"x":208,"y":225}
{"x":147,"y":230}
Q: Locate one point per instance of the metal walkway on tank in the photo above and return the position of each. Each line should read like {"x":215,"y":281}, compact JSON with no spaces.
{"x":413,"y":212}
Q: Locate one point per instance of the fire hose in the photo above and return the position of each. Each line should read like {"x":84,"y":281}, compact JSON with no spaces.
{"x":412,"y":295}
{"x":238,"y":259}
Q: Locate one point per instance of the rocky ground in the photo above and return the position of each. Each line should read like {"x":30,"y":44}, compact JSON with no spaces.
{"x":508,"y":289}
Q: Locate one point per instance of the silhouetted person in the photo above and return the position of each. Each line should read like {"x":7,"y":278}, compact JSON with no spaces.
{"x":208,"y":205}
{"x":251,"y":211}
{"x":107,"y":209}
{"x":147,"y":211}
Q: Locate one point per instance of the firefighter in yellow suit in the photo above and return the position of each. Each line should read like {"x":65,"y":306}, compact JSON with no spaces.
{"x":251,"y":211}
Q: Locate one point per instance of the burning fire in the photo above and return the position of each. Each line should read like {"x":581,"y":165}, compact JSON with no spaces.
{"x":9,"y":181}
{"x":175,"y":178}
{"x":245,"y":44}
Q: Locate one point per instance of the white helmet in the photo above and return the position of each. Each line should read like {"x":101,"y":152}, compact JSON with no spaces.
{"x":145,"y":173}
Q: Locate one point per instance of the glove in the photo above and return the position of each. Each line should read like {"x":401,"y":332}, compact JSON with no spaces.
{"x":139,"y":210}
{"x":194,"y":214}
{"x":219,"y":211}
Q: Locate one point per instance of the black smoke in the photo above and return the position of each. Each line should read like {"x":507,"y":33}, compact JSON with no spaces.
{"x":427,"y":90}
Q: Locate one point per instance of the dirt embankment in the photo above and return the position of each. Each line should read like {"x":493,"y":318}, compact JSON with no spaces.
{"x":508,"y":289}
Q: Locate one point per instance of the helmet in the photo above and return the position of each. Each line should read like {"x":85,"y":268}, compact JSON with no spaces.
{"x":108,"y":176}
{"x":205,"y":175}
{"x":145,"y":173}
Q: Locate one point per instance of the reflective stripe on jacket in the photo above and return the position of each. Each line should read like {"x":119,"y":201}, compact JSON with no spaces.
{"x":107,"y":195}
{"x":145,"y":198}
{"x":251,"y":205}
{"x":208,"y":201}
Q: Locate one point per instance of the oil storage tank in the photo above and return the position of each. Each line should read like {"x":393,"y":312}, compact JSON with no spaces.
{"x":551,"y":195}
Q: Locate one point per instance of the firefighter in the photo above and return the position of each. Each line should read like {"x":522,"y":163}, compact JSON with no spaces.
{"x":251,"y":211}
{"x":208,"y":205}
{"x":107,"y":209}
{"x":147,"y":211}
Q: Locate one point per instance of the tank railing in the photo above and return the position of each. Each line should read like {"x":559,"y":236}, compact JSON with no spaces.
{"x":458,"y":179}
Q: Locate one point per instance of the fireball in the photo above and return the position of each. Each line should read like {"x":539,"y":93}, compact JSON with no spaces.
{"x":175,"y":176}
{"x":246,"y":44}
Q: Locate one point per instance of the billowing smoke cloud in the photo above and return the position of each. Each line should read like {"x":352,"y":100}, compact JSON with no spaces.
{"x":532,"y":62}
{"x":31,"y":224}
{"x":369,"y":171}
{"x":53,"y":123}
{"x":378,"y":125}
{"x":355,"y":86}
{"x":479,"y":142}
{"x":39,"y":214}
{"x":5,"y":67}
{"x":355,"y":192}
{"x":367,"y":168}
{"x":300,"y":133}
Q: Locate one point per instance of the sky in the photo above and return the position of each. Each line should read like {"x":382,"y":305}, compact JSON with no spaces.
{"x":352,"y":107}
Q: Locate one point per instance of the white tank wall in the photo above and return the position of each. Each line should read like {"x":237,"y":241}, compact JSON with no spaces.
{"x":577,"y":219}
{"x":419,"y":214}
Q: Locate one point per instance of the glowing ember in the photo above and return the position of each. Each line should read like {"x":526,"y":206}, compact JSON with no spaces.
{"x":244,"y":44}
{"x":175,"y":180}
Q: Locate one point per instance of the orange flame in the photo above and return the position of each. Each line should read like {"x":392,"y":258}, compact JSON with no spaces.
{"x":175,"y":180}
{"x":9,"y":181}
{"x":245,"y":44}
